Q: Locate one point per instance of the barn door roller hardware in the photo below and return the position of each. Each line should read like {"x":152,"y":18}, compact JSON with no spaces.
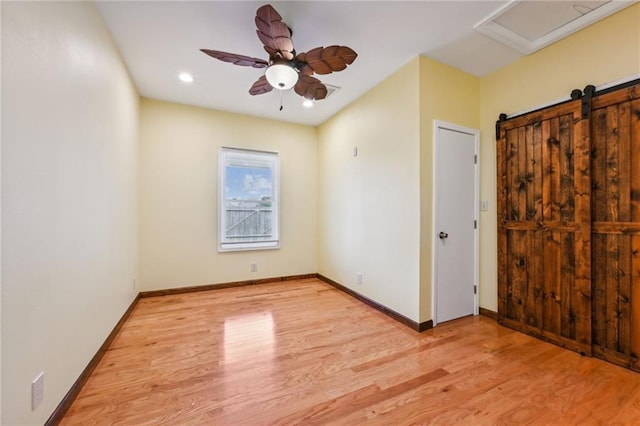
{"x":502,"y":117}
{"x":586,"y":100}
{"x":585,"y":95}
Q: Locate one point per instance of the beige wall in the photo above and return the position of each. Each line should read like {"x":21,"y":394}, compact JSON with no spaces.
{"x":369,"y":205}
{"x":178,"y":196}
{"x":450,"y":95}
{"x":605,"y":52}
{"x":69,"y":160}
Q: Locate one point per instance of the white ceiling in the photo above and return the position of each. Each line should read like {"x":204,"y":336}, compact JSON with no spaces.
{"x":158,"y":40}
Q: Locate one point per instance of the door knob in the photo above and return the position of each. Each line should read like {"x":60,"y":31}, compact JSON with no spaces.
{"x":443,"y":235}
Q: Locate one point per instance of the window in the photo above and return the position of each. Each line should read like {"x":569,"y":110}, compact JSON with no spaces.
{"x":248,"y":206}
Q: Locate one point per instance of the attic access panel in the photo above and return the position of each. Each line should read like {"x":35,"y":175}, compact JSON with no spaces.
{"x":531,"y":25}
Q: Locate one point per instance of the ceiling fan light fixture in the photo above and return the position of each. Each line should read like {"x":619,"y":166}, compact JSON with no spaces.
{"x":281,"y":76}
{"x":307,"y":103}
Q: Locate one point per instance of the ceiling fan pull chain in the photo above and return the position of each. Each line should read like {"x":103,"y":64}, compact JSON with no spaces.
{"x":281,"y":100}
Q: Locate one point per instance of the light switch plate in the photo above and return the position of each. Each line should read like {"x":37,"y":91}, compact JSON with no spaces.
{"x":37,"y":391}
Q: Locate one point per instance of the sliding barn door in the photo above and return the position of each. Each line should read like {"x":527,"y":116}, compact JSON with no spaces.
{"x":615,"y":168}
{"x":544,"y":225}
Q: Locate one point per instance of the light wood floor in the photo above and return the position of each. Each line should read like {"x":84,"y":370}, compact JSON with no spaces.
{"x":302,"y":352}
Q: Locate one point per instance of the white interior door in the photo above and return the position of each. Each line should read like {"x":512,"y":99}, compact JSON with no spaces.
{"x":455,"y":221}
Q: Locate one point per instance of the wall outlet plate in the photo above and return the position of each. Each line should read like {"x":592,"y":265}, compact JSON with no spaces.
{"x":359,"y":278}
{"x":37,"y":391}
{"x":254,"y":267}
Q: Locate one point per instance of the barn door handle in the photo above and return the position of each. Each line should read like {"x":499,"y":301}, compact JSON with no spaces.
{"x":443,"y":235}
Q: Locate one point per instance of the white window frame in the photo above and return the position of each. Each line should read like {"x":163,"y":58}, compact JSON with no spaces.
{"x":253,"y":159}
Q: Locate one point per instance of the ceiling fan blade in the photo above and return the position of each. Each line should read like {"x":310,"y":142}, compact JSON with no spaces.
{"x":260,"y":87}
{"x":245,"y":61}
{"x":274,"y":33}
{"x":310,"y":88}
{"x":301,"y":63}
{"x":325,"y":60}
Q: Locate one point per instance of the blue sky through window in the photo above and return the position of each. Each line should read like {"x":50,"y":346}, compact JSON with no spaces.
{"x":247,"y":183}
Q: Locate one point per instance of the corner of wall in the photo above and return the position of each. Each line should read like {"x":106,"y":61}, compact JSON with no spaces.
{"x":451,"y":95}
{"x":368,"y":204}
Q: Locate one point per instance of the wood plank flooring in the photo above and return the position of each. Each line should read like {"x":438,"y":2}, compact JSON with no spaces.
{"x":302,"y":352}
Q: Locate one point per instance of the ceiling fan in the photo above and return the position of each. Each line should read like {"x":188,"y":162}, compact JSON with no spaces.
{"x":286,"y":68}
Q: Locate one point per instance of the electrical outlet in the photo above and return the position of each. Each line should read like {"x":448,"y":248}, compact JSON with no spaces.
{"x":359,"y":278}
{"x":484,"y":205}
{"x":254,"y":267}
{"x":37,"y":391}
{"x":134,"y":284}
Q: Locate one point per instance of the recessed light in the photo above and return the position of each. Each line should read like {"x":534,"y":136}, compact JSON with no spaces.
{"x":186,"y":77}
{"x":307,"y":103}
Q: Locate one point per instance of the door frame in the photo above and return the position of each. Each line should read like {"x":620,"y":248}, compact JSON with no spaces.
{"x":437,"y":125}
